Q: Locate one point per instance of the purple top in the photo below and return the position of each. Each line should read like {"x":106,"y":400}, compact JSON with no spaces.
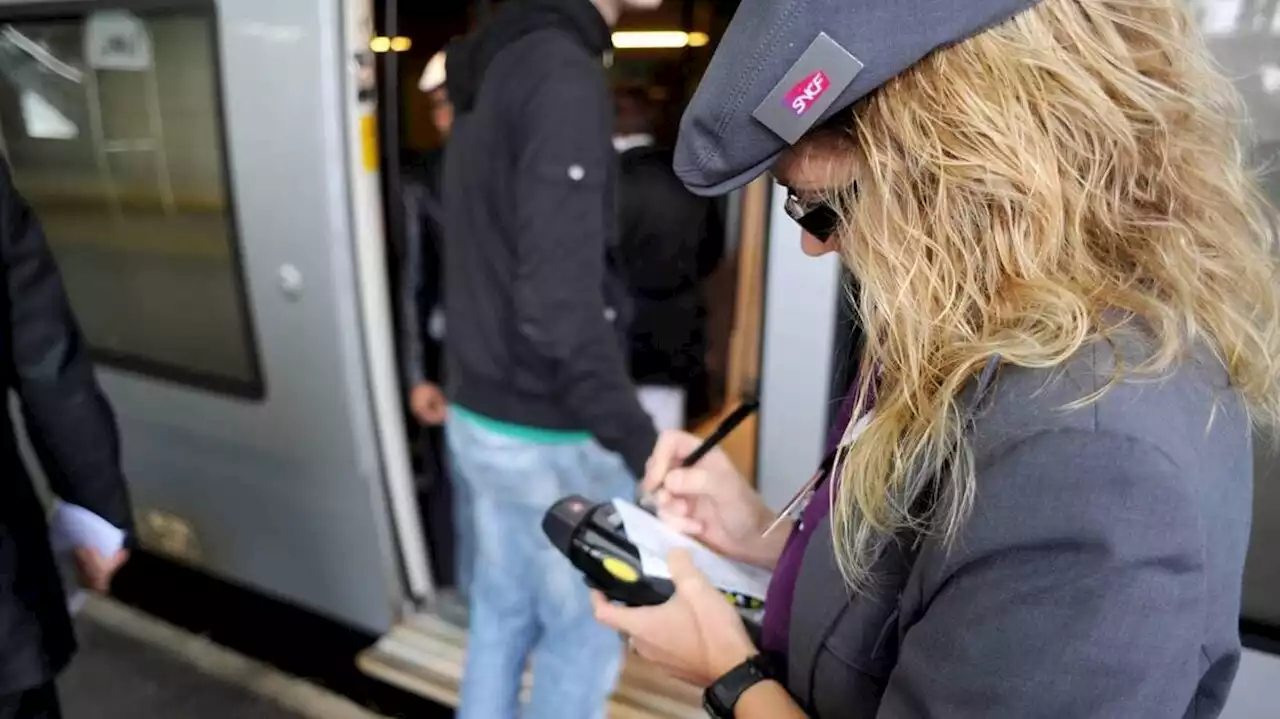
{"x":776,"y":627}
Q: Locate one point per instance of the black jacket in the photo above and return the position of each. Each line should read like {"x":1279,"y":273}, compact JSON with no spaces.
{"x":670,"y":241}
{"x":536,"y":318}
{"x":420,"y":292}
{"x":73,"y":432}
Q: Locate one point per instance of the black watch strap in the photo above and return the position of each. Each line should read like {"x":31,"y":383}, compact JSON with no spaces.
{"x":720,"y":698}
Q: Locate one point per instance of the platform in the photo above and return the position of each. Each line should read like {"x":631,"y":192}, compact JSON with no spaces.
{"x":132,"y":666}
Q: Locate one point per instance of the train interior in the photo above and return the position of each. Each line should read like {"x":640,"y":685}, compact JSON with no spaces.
{"x":220,"y":183}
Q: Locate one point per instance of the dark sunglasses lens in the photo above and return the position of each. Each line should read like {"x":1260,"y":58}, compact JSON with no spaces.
{"x":821,"y":221}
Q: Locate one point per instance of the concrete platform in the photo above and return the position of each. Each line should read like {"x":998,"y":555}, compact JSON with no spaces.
{"x":132,"y":666}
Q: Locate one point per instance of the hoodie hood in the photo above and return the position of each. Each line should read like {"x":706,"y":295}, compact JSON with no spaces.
{"x":467,"y":59}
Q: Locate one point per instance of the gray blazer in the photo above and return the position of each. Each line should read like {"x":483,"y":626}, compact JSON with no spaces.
{"x":1098,"y":576}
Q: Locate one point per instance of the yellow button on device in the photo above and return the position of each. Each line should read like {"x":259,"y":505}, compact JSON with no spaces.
{"x":620,"y":569}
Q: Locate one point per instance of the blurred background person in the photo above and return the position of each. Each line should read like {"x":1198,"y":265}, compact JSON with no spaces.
{"x":73,"y":432}
{"x":541,"y":402}
{"x":420,"y":303}
{"x":423,"y":326}
{"x":669,"y":241}
{"x":1257,"y":15}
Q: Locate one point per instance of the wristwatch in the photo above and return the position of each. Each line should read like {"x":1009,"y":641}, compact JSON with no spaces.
{"x":719,"y":699}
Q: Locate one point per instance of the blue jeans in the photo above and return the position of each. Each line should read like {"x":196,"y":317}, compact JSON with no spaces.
{"x":527,"y":601}
{"x":464,"y":553}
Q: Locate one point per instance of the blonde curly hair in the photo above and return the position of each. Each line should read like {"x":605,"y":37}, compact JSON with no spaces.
{"x":1015,"y":194}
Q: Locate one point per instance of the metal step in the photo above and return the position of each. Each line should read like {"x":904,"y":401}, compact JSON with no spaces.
{"x":425,"y":654}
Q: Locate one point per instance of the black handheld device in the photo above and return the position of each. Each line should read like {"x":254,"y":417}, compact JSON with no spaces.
{"x":592,"y":537}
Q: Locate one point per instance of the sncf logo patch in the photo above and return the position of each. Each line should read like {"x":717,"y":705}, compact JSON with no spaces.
{"x":806,"y":92}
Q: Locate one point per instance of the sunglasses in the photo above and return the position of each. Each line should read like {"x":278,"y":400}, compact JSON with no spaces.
{"x":817,"y":218}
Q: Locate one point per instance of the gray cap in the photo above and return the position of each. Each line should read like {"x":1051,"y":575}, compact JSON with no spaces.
{"x":784,"y":66}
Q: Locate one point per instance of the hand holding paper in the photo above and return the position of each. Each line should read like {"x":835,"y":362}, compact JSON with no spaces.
{"x":88,"y":548}
{"x":655,"y":540}
{"x":96,"y":570}
{"x":710,"y":502}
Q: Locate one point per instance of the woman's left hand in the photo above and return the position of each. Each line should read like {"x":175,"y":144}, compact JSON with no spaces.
{"x":696,"y":635}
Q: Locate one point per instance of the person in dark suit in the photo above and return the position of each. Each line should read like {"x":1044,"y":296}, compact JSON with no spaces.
{"x":669,"y":242}
{"x":73,"y":432}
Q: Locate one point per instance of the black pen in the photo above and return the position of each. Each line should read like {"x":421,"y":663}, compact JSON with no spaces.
{"x":726,"y":426}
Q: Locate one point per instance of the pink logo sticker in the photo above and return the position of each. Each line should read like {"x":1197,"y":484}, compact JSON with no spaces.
{"x":806,"y":92}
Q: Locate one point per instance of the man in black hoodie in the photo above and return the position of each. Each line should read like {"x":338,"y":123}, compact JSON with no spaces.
{"x":541,"y":404}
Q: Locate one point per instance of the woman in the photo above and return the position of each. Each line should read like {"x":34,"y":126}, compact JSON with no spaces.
{"x":1070,"y":308}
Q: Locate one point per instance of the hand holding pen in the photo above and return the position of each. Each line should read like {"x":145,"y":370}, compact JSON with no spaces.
{"x":697,"y":491}
{"x":700,"y":449}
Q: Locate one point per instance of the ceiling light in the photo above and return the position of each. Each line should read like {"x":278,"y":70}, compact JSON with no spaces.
{"x":382,"y":43}
{"x":656,"y":39}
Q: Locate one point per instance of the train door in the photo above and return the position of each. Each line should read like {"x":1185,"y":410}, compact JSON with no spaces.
{"x":207,"y":176}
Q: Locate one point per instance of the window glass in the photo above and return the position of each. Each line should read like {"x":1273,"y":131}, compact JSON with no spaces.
{"x":112,"y":125}
{"x":1244,"y":37}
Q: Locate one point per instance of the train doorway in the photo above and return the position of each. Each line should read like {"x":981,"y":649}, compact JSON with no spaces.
{"x":741,"y":356}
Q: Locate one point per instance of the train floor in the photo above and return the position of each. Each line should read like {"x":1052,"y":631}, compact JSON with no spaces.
{"x":132,"y":666}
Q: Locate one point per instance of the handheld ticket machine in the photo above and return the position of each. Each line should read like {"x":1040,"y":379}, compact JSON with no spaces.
{"x":594,"y":538}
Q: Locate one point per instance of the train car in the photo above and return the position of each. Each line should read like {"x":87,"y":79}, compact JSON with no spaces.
{"x":210,"y":177}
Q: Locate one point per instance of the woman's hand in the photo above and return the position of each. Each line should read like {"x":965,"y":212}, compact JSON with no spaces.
{"x":710,"y":501}
{"x":696,"y":635}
